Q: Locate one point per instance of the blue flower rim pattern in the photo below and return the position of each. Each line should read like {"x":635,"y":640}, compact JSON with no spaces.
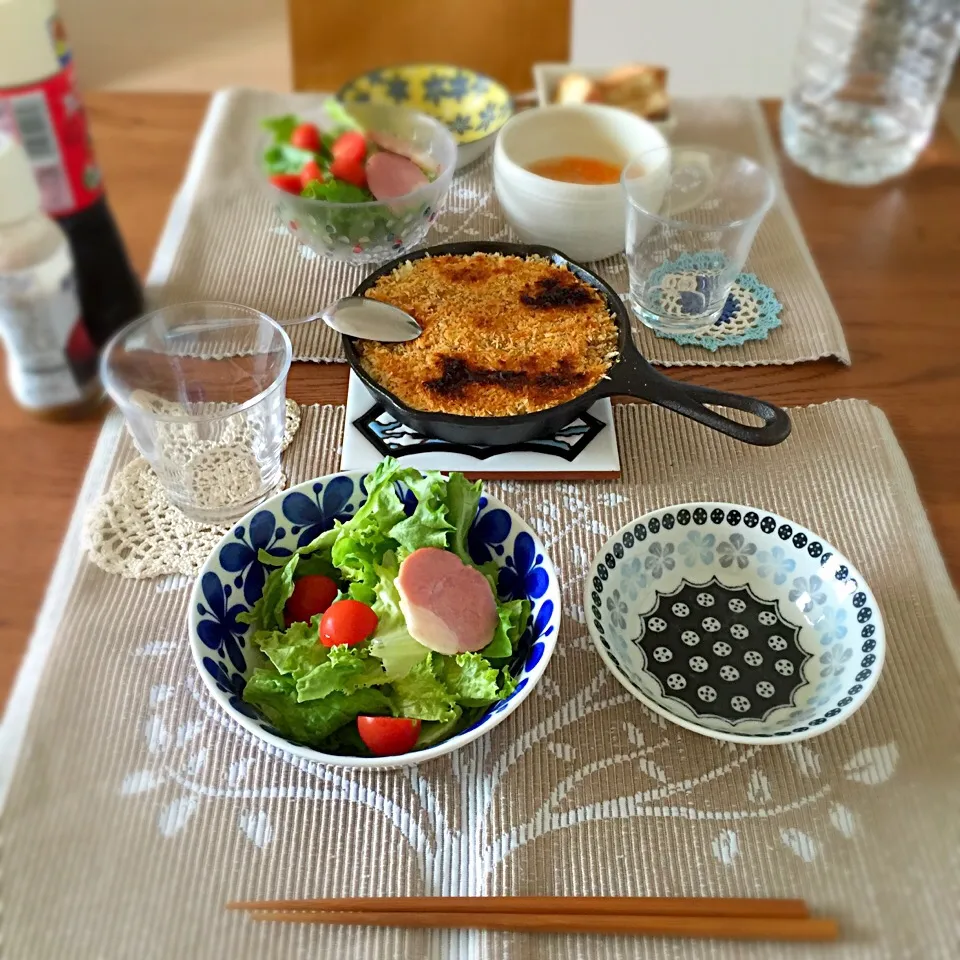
{"x":232,"y":579}
{"x":765,"y":553}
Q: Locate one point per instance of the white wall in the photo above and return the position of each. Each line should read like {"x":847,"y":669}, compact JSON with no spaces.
{"x":710,"y":46}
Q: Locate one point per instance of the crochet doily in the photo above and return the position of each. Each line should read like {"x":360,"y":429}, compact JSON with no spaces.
{"x":134,"y":531}
{"x":750,"y":313}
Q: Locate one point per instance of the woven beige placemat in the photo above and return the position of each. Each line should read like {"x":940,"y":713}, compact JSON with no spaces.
{"x":224,"y":240}
{"x":137,"y":808}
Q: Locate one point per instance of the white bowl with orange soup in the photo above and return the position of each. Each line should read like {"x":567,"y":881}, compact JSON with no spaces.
{"x":557,"y":175}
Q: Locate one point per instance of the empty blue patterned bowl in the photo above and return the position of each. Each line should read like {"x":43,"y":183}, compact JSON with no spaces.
{"x":734,"y":622}
{"x":231,"y":581}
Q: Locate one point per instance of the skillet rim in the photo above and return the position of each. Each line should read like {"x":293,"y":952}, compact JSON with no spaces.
{"x":576,"y":405}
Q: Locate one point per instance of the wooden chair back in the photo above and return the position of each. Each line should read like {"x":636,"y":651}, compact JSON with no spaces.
{"x":332,"y":42}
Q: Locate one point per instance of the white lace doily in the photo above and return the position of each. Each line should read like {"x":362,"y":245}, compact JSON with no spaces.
{"x":134,"y":531}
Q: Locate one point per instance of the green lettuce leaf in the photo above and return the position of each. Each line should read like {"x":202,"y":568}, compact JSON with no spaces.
{"x":281,"y":127}
{"x":320,"y":544}
{"x":311,"y":722}
{"x":315,"y":557}
{"x":267,"y":612}
{"x":346,"y":742}
{"x":345,"y":670}
{"x":463,"y":500}
{"x":340,"y":117}
{"x":295,"y":651}
{"x":285,"y":158}
{"x":318,"y":563}
{"x":427,"y":526}
{"x":435,"y":731}
{"x":383,"y":508}
{"x":422,"y":695}
{"x":473,"y":681}
{"x":513,"y":620}
{"x":357,"y":563}
{"x":336,"y":191}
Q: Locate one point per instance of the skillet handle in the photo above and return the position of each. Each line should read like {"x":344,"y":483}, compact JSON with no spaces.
{"x":634,"y":377}
{"x":689,"y":399}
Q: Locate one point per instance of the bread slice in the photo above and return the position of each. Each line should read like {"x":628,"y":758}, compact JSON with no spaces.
{"x":576,"y":88}
{"x":637,"y":87}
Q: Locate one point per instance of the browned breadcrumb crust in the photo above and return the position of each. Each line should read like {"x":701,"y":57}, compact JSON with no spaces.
{"x":502,"y":335}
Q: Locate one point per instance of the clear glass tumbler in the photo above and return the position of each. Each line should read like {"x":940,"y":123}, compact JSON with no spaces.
{"x":202,"y":387}
{"x":692,"y":214}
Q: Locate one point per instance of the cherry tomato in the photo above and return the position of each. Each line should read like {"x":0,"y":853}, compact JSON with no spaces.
{"x":287,"y":181}
{"x":347,"y":621}
{"x":306,"y":137}
{"x":350,"y":170}
{"x":388,"y":736}
{"x":350,"y":147}
{"x":311,"y":171}
{"x":311,"y":595}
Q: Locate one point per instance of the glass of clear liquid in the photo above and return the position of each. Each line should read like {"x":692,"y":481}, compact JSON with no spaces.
{"x":202,"y":387}
{"x":692,"y":215}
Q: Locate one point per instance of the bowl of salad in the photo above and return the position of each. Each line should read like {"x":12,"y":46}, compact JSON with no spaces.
{"x":361,"y":186}
{"x":375,"y":620}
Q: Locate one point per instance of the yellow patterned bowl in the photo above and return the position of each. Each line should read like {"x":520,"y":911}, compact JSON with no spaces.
{"x":471,"y":104}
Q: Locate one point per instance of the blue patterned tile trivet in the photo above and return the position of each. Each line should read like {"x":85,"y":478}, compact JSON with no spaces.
{"x":588,"y":445}
{"x":750,"y":313}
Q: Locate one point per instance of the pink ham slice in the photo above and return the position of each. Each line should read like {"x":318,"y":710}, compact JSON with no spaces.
{"x":392,"y":144}
{"x":448,"y":606}
{"x":390,"y":176}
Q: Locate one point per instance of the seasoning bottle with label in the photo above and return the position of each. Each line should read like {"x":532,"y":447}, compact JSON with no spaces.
{"x":51,"y":361}
{"x":40,"y":106}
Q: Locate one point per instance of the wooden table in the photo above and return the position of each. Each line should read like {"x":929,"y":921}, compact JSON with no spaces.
{"x":889,"y":255}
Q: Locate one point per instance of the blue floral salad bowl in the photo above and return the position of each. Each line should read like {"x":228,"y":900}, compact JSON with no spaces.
{"x":735,"y":623}
{"x":232,"y":579}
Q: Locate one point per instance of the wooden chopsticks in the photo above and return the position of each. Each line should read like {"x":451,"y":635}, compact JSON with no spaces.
{"x":728,"y":918}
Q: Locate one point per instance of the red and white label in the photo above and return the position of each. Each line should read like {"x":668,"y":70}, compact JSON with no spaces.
{"x":48,"y":119}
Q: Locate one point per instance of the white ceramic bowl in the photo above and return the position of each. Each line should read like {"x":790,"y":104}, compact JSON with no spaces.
{"x":735,"y":623}
{"x":585,"y":221}
{"x":231,"y":581}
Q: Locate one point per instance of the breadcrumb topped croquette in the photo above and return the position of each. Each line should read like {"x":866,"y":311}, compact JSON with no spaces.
{"x":502,"y":335}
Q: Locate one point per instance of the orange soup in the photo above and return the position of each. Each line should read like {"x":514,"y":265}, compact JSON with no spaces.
{"x":576,"y":170}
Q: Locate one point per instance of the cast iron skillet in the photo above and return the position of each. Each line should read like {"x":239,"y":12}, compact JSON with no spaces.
{"x":630,"y":375}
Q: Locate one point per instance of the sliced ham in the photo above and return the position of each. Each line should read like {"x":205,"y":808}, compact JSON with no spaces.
{"x":390,"y":176}
{"x":449,"y":607}
{"x":393,"y":144}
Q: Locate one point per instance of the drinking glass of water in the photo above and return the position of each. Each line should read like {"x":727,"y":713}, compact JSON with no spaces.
{"x":692,"y":214}
{"x":202,"y":387}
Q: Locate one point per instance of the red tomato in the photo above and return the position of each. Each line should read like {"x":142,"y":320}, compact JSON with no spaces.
{"x":306,"y":137}
{"x":388,"y":736}
{"x":350,"y":170}
{"x":287,"y":181}
{"x":347,"y":621}
{"x":311,"y":595}
{"x":350,"y":147}
{"x":311,"y":171}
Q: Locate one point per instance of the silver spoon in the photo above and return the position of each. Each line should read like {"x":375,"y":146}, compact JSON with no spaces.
{"x":367,"y":319}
